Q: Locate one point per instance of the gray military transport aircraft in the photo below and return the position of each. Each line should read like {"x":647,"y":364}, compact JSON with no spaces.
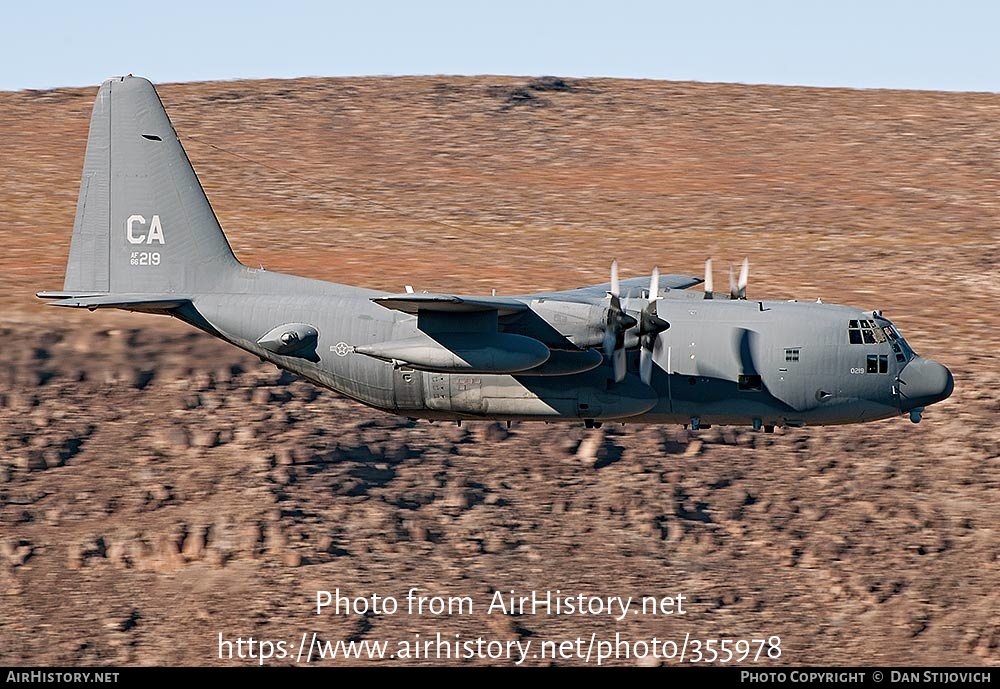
{"x":642,"y":350}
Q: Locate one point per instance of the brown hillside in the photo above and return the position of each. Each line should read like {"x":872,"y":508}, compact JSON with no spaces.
{"x":158,"y":488}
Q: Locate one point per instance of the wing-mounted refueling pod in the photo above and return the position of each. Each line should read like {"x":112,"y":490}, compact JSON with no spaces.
{"x":566,"y":362}
{"x":463,"y":335}
{"x":458,"y":335}
{"x":462,"y":352}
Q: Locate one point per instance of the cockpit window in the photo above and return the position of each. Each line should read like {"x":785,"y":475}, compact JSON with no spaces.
{"x":882,"y":331}
{"x":869,"y":332}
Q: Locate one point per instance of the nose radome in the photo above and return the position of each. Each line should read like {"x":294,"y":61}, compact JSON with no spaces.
{"x":923,"y":382}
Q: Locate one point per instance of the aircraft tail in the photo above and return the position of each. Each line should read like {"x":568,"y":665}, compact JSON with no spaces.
{"x":143,"y":223}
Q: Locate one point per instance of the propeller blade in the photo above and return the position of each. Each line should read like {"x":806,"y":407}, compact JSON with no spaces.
{"x":708,"y":279}
{"x":609,"y":341}
{"x":617,"y":323}
{"x":619,"y":364}
{"x":650,"y":327}
{"x":733,"y":291}
{"x":645,"y":365}
{"x":744,"y":278}
{"x":617,"y":320}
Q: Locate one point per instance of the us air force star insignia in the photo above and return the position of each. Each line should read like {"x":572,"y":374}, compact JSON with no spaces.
{"x":342,"y":349}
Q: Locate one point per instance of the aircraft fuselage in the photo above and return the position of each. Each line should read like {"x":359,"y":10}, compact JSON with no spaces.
{"x":769,"y":363}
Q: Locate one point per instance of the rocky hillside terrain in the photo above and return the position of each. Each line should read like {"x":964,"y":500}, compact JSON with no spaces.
{"x":159,"y":488}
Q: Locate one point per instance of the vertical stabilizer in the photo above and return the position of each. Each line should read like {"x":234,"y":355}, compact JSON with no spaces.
{"x":143,"y":223}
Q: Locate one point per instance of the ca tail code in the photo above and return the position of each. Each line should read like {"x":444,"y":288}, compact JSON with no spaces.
{"x":135,"y":230}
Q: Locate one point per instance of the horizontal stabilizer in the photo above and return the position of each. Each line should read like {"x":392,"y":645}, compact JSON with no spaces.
{"x":130,"y":302}
{"x":428,"y":301}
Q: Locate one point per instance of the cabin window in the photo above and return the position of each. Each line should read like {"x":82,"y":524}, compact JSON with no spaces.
{"x":749,"y":383}
{"x":792,"y":354}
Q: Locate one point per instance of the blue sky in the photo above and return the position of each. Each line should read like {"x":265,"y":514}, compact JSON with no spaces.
{"x":953,"y":45}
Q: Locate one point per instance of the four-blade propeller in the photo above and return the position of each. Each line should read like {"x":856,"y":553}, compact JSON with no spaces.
{"x":615,"y":326}
{"x":650,"y":327}
{"x":618,"y":321}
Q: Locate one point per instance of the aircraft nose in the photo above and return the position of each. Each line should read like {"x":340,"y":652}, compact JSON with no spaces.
{"x":923,"y":382}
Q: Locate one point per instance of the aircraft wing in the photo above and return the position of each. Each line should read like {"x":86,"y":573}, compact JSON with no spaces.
{"x":632,"y":287}
{"x":449,"y":303}
{"x":414,"y":302}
